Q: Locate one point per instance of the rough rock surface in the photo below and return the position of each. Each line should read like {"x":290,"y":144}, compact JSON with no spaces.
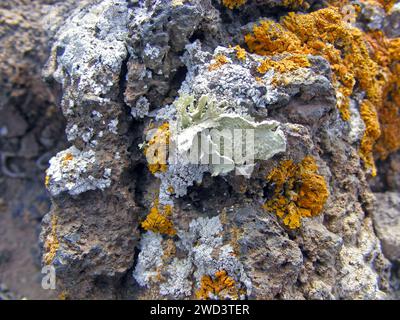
{"x":121,"y":68}
{"x":31,"y":132}
{"x":387,"y":223}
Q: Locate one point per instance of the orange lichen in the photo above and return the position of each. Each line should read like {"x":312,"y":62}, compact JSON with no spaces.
{"x":240,"y":52}
{"x":386,"y":52}
{"x":270,"y":38}
{"x":156,"y":150}
{"x":323,"y":33}
{"x":344,"y":48}
{"x":388,"y":4}
{"x":286,"y":64}
{"x":299,"y":191}
{"x":51,"y":244}
{"x":233,"y":4}
{"x":364,"y":61}
{"x":66,"y":158}
{"x":220,"y":60}
{"x":158,"y":221}
{"x":371,"y":134}
{"x":221,"y":287}
{"x":389,"y":141}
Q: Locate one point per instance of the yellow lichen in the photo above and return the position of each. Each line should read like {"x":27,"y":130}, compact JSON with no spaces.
{"x":51,"y":244}
{"x":286,"y":64}
{"x":299,"y":191}
{"x":221,"y":287}
{"x":220,"y":60}
{"x":156,"y":150}
{"x":233,"y":4}
{"x":158,"y":221}
{"x":240,"y":52}
{"x":47,"y":181}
